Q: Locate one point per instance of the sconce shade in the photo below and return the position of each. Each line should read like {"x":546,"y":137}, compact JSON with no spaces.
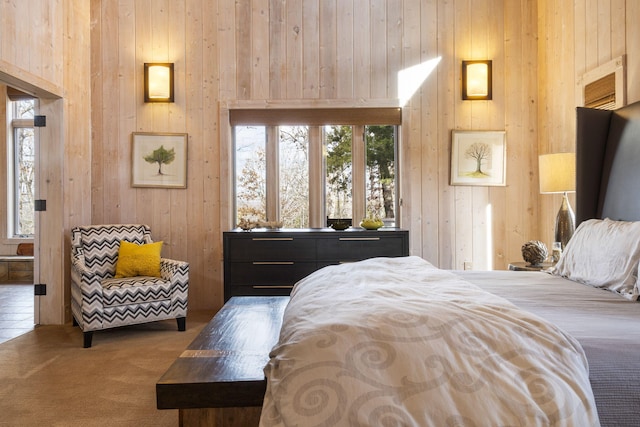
{"x":557,"y":172}
{"x":158,"y":82}
{"x":476,"y":80}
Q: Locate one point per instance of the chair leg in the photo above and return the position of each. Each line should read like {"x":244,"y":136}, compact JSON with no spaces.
{"x":87,"y":338}
{"x":182,"y":323}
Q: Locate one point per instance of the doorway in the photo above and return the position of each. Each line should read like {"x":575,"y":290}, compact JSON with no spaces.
{"x":18,"y":304}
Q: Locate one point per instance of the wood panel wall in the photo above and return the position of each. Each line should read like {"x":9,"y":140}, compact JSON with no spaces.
{"x":125,"y":36}
{"x":31,"y":44}
{"x":578,"y":37}
{"x":308,"y":51}
{"x":44,"y":51}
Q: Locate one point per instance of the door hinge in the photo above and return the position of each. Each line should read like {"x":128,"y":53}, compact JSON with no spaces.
{"x":39,"y":121}
{"x":39,"y":205}
{"x":40,"y":289}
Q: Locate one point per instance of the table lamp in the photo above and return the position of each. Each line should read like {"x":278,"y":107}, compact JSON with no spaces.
{"x":558,"y":175}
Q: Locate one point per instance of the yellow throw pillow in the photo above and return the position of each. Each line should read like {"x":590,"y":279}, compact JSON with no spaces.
{"x":138,"y":260}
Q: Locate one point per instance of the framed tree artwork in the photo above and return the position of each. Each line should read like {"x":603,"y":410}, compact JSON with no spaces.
{"x":159,"y":160}
{"x":478,"y":158}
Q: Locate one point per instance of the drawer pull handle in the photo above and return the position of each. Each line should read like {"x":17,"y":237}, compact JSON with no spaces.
{"x":272,"y":262}
{"x":272,"y":286}
{"x":272,"y":239}
{"x":359,"y":238}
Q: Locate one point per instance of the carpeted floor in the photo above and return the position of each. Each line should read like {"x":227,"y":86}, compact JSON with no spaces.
{"x":48,"y":379}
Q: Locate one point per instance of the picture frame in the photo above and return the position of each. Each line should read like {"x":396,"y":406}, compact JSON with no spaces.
{"x":159,"y":160}
{"x":478,"y":158}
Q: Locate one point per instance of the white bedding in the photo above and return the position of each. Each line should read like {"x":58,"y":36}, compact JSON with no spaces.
{"x":395,"y":341}
{"x":606,"y":324}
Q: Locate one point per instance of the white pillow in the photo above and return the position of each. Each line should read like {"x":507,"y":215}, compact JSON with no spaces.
{"x":604,"y":254}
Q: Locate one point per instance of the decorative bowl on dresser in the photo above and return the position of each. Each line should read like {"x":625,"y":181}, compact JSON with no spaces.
{"x":270,"y":262}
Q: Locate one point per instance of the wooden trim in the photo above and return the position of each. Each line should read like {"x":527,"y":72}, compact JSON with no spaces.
{"x":316,"y":116}
{"x":316,"y":174}
{"x":273,"y":174}
{"x":358,"y":163}
{"x":27,"y":82}
{"x":16,"y":95}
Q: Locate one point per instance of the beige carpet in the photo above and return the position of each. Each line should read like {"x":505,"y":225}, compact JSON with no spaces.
{"x":48,"y":379}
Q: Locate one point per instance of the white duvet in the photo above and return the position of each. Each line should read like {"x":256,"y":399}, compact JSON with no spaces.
{"x":395,"y":341}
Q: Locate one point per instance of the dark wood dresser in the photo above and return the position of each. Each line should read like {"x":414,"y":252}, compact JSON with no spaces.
{"x":270,"y":262}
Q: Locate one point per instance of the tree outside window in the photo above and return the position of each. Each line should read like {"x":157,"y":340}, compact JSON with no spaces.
{"x":23,"y":174}
{"x":380,"y":146}
{"x":293,"y":186}
{"x":338,"y":141}
{"x":294,"y":176}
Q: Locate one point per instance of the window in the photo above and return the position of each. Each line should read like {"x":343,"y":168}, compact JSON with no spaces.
{"x":21,"y":169}
{"x":291,"y":166}
{"x":293,"y":163}
{"x":605,"y":86}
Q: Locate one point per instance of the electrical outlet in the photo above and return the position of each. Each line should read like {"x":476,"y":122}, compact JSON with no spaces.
{"x":468,"y":265}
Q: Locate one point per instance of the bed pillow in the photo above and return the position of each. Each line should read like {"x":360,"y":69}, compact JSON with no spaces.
{"x":138,"y":260}
{"x":604,"y":254}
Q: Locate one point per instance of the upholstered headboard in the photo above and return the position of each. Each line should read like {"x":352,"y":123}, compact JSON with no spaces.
{"x":608,"y":164}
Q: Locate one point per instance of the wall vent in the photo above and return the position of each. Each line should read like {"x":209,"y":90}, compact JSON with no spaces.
{"x":605,"y":86}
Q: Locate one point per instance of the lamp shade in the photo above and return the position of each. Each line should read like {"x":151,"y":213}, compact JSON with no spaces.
{"x":557,"y":172}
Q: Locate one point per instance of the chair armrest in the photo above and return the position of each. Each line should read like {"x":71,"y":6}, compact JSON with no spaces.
{"x":177,"y":272}
{"x":78,"y":264}
{"x":169,"y":267}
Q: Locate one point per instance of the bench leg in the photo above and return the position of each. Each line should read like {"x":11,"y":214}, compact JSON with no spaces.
{"x":182,"y":323}
{"x":220,"y":417}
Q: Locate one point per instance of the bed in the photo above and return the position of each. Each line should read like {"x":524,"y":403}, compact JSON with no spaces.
{"x":361,"y":345}
{"x":606,"y":325}
{"x":594,"y":379}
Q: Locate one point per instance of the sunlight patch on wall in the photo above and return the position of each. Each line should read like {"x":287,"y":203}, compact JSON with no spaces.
{"x":410,"y":79}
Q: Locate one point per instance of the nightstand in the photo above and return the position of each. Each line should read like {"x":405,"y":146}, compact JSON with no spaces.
{"x":524,"y":266}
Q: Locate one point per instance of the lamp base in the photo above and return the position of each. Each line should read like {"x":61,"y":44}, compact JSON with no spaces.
{"x":565,"y":222}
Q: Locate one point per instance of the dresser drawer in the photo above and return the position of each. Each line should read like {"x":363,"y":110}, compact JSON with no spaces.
{"x":355,"y":248}
{"x":271,"y":249}
{"x":267,"y":262}
{"x":265,"y":274}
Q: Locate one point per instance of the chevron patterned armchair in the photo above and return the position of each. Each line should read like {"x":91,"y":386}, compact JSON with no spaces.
{"x":101,"y":301}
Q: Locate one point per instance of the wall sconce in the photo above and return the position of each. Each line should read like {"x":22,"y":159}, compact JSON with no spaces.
{"x":476,"y":80}
{"x":158,"y":82}
{"x":558,"y":175}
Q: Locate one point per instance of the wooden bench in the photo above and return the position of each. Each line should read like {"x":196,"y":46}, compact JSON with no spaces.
{"x":219,"y":380}
{"x":16,"y":269}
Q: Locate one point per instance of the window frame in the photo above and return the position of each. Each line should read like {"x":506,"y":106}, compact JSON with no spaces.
{"x":315,"y":117}
{"x":12,"y":183}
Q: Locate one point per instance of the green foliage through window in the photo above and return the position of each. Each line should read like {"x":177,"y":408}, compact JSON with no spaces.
{"x":292,"y":151}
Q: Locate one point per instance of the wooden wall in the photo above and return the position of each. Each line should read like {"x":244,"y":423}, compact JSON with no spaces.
{"x":578,"y":37}
{"x":268,"y":51}
{"x":124,"y":36}
{"x":349,"y":51}
{"x":44,"y":51}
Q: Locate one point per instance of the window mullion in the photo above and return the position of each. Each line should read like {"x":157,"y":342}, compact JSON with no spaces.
{"x":273,"y":174}
{"x":358,"y":156}
{"x":316,"y":179}
{"x":13,"y":188}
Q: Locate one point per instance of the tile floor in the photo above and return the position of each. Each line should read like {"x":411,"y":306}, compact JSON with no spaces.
{"x":16,"y":310}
